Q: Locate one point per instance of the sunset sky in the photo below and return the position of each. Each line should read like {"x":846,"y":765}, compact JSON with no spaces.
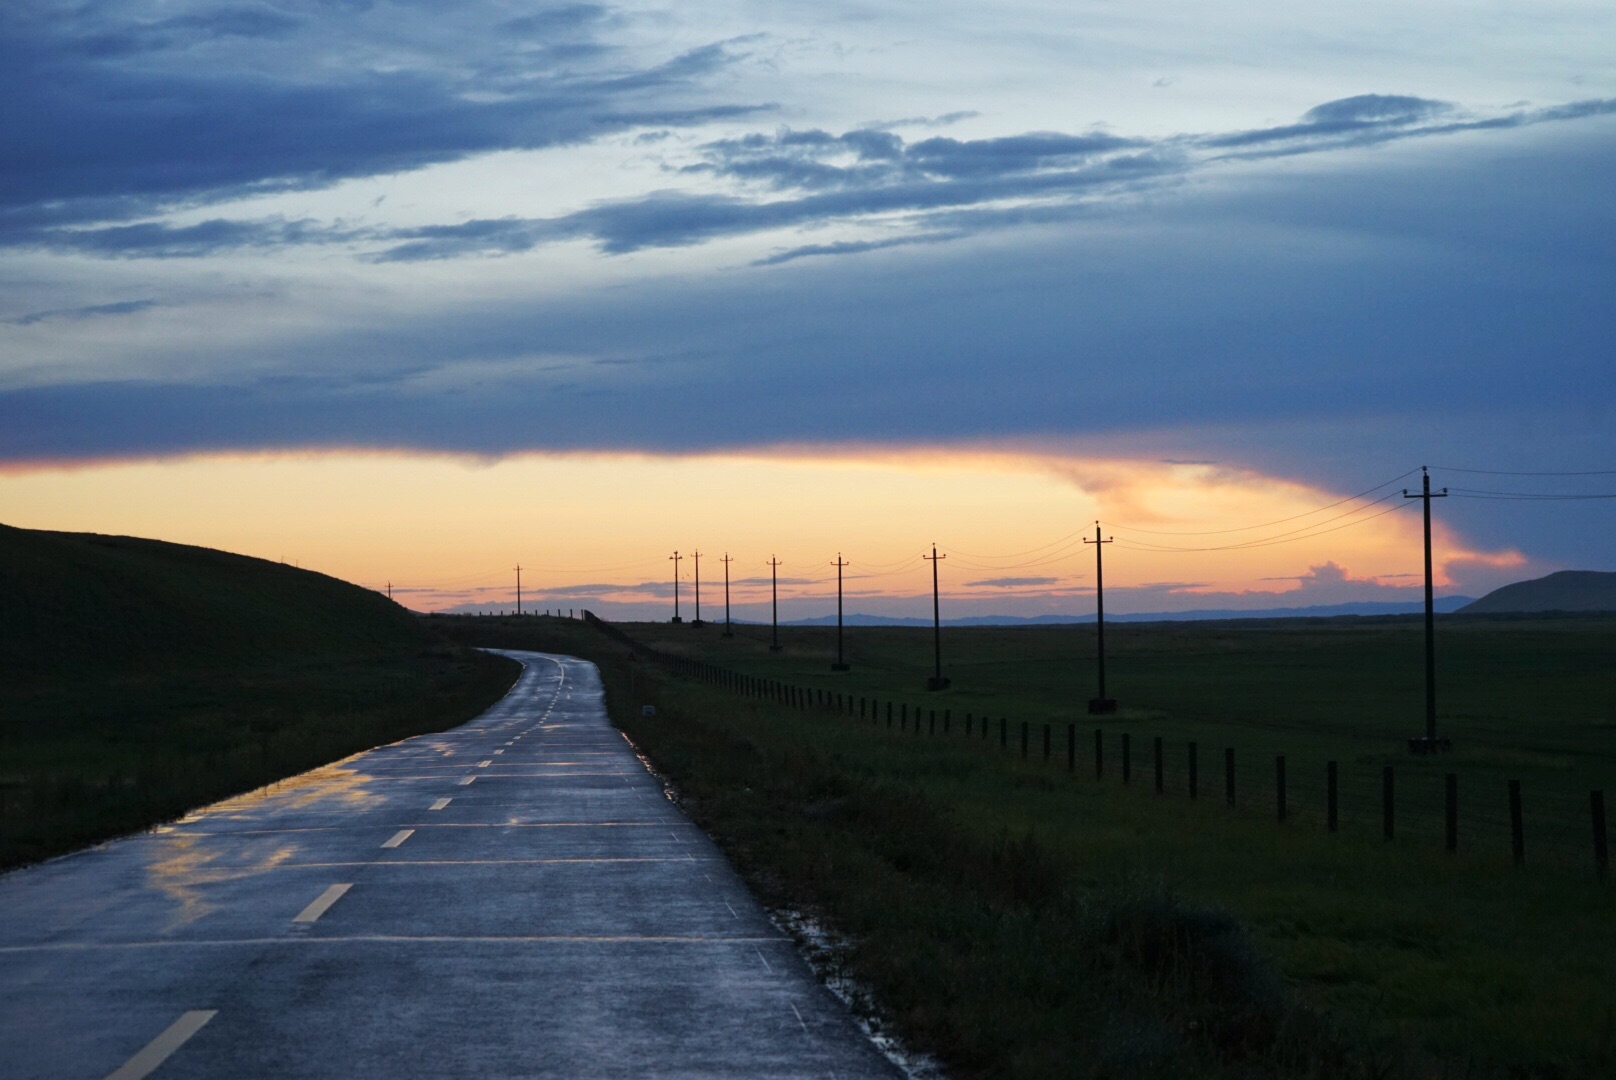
{"x":412,"y":292}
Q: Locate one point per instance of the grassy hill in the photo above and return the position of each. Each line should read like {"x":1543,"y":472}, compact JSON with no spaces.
{"x":145,"y":678}
{"x":1567,"y":590}
{"x":122,"y":602}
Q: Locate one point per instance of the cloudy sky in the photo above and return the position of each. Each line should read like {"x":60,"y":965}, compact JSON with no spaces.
{"x":414,"y":292}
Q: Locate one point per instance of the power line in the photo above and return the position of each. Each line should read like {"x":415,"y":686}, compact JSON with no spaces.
{"x":1498,"y":472}
{"x":1532,"y":496}
{"x":1016,"y":554}
{"x":1137,"y":545}
{"x":1267,"y":524}
{"x":1300,"y":533}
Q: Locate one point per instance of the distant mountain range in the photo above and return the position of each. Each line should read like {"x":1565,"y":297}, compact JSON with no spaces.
{"x":1316,"y":611}
{"x":1567,"y":590}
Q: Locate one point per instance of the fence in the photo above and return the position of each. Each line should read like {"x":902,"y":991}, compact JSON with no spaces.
{"x":1409,"y":805}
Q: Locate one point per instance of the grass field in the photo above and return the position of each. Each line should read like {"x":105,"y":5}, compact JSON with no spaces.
{"x":142,"y":679}
{"x":1527,"y":698}
{"x":990,"y":898}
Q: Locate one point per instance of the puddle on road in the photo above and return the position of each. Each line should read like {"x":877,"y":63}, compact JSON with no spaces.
{"x":182,"y":867}
{"x":184,"y":864}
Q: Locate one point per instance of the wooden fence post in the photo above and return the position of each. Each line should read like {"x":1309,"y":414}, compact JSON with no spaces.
{"x":1596,"y":806}
{"x":1386,"y":801}
{"x":1452,"y":807}
{"x":1517,"y":833}
{"x":1330,"y":792}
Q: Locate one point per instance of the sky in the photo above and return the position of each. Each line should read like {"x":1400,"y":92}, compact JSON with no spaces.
{"x":414,"y":293}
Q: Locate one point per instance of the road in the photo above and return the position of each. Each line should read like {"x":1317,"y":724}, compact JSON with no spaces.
{"x":516,"y":897}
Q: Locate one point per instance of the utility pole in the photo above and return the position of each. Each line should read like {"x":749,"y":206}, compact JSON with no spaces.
{"x":1101,"y":704}
{"x":1429,"y":743}
{"x":674,"y":558}
{"x":519,"y":588}
{"x":697,"y":620}
{"x":389,"y":590}
{"x":936,"y":682}
{"x":840,"y":664}
{"x":774,"y":594}
{"x":726,"y":560}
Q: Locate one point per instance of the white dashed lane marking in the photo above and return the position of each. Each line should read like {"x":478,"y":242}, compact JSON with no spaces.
{"x":398,"y":838}
{"x":322,"y":903}
{"x":440,"y":804}
{"x":161,"y":1048}
{"x":466,"y":780}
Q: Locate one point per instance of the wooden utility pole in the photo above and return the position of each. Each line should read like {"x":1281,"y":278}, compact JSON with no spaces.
{"x":519,"y":588}
{"x":674,"y":558}
{"x":774,"y":602}
{"x":697,"y":620}
{"x":1429,"y":743}
{"x":936,"y":682}
{"x":1100,"y":704}
{"x":841,"y":663}
{"x":726,"y":560}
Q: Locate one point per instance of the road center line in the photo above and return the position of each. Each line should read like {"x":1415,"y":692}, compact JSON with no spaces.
{"x":161,"y":1048}
{"x":440,"y":804}
{"x":398,"y":838}
{"x":322,"y":903}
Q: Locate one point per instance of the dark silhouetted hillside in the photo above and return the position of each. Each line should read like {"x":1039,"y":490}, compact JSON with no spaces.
{"x":1567,"y":590}
{"x":121,"y":602}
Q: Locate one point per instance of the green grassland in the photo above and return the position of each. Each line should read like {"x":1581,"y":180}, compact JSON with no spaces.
{"x":1022,"y":921}
{"x":142,"y":679}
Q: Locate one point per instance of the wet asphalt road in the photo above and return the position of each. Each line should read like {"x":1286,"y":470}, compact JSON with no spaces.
{"x":512,"y":898}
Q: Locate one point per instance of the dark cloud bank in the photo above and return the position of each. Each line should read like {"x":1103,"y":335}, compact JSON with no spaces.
{"x":111,"y":118}
{"x":1325,"y":325}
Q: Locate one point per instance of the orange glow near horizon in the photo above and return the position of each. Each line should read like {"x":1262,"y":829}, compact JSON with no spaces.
{"x":591,"y":528}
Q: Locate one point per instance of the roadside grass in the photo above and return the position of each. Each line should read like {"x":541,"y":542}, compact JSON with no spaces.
{"x":1018,"y":921}
{"x":97,"y":756}
{"x":143,"y":679}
